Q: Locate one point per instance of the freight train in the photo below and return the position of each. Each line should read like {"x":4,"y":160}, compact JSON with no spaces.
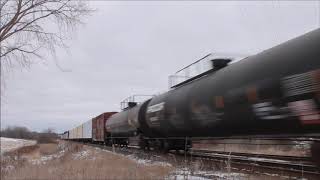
{"x":272,"y":93}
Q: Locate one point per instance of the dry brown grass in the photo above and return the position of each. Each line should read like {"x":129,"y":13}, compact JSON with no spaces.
{"x":95,"y":164}
{"x":22,"y":151}
{"x":15,"y":159}
{"x":46,"y":149}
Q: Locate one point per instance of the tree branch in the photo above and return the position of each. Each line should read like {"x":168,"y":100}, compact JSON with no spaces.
{"x":23,"y":32}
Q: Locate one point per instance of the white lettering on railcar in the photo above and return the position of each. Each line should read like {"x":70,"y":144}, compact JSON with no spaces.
{"x":268,"y":111}
{"x":155,"y":108}
{"x":153,"y":119}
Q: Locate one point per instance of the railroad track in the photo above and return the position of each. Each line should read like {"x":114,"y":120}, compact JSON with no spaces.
{"x":275,"y":162}
{"x":269,"y":156}
{"x":284,"y":163}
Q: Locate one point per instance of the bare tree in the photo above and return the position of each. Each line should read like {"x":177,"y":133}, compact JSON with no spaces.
{"x":30,"y":28}
{"x":46,"y":136}
{"x":19,"y":132}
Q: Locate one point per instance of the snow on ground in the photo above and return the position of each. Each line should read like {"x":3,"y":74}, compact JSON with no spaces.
{"x":147,"y":161}
{"x":84,"y":154}
{"x":139,"y":160}
{"x":10,"y":144}
{"x":44,"y":159}
{"x":186,"y":173}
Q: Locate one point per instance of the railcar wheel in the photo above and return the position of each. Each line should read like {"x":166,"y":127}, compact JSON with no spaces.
{"x":144,"y":144}
{"x":165,"y":146}
{"x":315,"y":152}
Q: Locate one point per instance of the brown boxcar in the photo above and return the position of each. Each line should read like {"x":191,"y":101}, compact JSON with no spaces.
{"x":98,"y":126}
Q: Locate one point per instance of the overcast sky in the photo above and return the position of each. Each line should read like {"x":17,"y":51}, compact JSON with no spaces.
{"x":128,"y":48}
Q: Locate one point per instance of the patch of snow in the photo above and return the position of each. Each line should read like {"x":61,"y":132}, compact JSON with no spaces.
{"x":268,"y":174}
{"x":44,"y":159}
{"x":147,"y":162}
{"x":81,"y":155}
{"x":267,"y":160}
{"x":3,"y":139}
{"x":186,"y":173}
{"x":138,"y":160}
{"x":10,"y":144}
{"x":183,"y":177}
{"x":224,"y":175}
{"x":7,"y":168}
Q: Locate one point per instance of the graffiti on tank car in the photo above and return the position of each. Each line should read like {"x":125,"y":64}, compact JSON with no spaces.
{"x":153,"y":119}
{"x":155,"y":108}
{"x":203,"y":114}
{"x":130,"y":122}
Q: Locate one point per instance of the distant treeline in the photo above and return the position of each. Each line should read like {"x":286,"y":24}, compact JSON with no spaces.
{"x":46,"y":136}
